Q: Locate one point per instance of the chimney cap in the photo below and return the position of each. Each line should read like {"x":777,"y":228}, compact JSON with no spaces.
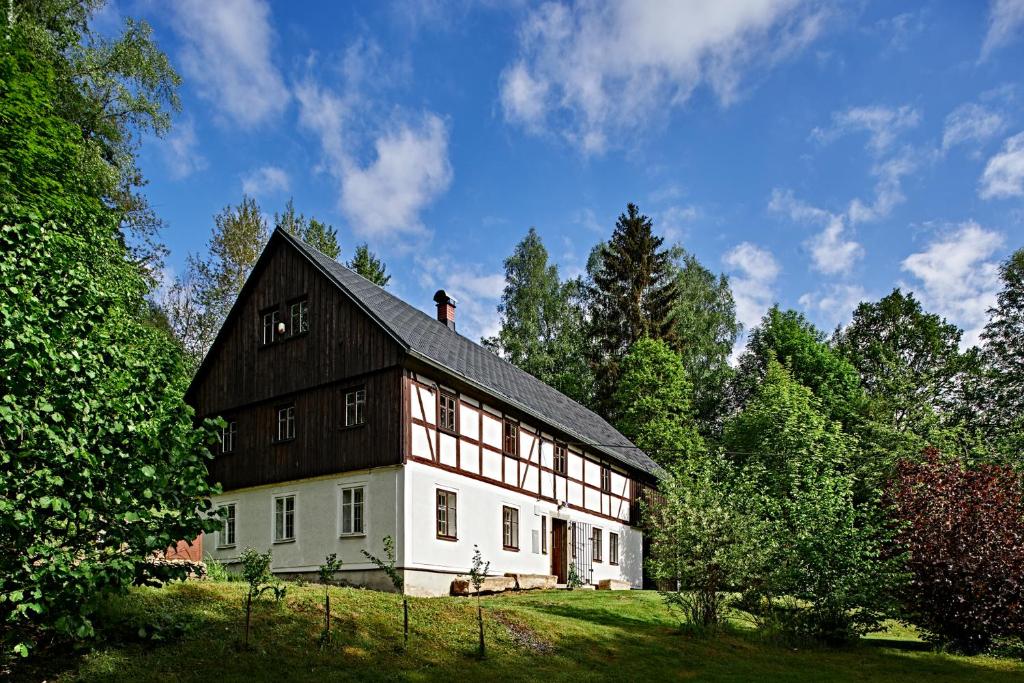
{"x":441,"y":297}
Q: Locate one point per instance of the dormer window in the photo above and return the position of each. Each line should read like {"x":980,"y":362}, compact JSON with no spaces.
{"x":298,"y":314}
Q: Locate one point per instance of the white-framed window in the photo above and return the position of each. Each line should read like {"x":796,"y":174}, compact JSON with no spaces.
{"x":286,"y":422}
{"x":355,"y":407}
{"x":284,"y":518}
{"x":353,"y":502}
{"x":595,"y":542}
{"x":228,"y":433}
{"x":226,"y":537}
{"x":613,"y":548}
{"x":510,"y":527}
{"x":298,"y":317}
{"x":447,"y":505}
{"x":270,"y":320}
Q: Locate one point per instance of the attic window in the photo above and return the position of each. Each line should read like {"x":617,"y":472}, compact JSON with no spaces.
{"x":271,"y":319}
{"x":298,"y":315}
{"x":511,"y":442}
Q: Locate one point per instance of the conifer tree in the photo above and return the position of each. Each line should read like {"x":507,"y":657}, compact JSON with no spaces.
{"x":314,"y":232}
{"x":366,"y":263}
{"x":632,"y":294}
{"x":1003,"y":340}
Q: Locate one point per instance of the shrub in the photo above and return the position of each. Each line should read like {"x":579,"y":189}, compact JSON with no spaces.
{"x":256,"y":572}
{"x":388,"y":567}
{"x":330,"y":567}
{"x":477,"y":575}
{"x":963,"y":532}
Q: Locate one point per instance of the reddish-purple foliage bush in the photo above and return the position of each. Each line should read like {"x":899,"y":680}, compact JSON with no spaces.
{"x":963,"y":532}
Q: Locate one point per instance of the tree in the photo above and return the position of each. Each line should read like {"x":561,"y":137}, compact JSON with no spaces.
{"x":369,"y":266}
{"x":542,"y":323}
{"x":199,"y":301}
{"x":705,"y":543}
{"x":962,"y":530}
{"x":477,"y":576}
{"x":1003,"y":340}
{"x":910,"y":364}
{"x":704,"y":329}
{"x":652,"y":400}
{"x":319,"y":235}
{"x":116,"y":89}
{"x":102,"y":464}
{"x":830,"y":569}
{"x":633,"y":289}
{"x":330,"y":567}
{"x":256,"y":573}
{"x":387,"y":566}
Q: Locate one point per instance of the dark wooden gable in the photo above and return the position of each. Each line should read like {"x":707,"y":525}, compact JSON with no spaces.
{"x":344,"y":349}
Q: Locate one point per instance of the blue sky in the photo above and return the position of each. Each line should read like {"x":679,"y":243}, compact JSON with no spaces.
{"x":819,"y":153}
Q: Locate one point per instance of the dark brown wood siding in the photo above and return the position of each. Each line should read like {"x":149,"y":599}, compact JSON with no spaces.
{"x":245,"y":380}
{"x":322,"y":443}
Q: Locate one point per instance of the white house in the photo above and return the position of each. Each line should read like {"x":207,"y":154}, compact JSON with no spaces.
{"x":352,"y":416}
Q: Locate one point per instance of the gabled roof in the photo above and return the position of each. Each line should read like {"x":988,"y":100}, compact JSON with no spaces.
{"x":426,"y":338}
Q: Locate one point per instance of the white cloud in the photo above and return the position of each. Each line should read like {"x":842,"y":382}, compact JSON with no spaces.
{"x":971,"y":122}
{"x":266,"y":180}
{"x":882,"y":124}
{"x":754,"y":273}
{"x":674,"y":220}
{"x":959,"y":279}
{"x":832,"y":252}
{"x":595,"y":71}
{"x":1004,"y":172}
{"x":835,"y":303}
{"x":409,"y":171}
{"x":180,"y":151}
{"x":227,"y":52}
{"x":477,"y":293}
{"x":1004,"y":22}
{"x":888,"y":189}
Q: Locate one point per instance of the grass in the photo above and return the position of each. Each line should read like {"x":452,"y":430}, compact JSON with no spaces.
{"x":549,"y":636}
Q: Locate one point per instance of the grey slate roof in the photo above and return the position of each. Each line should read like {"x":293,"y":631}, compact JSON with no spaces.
{"x":425,"y":337}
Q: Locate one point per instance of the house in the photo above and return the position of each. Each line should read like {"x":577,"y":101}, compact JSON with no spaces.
{"x":352,"y":416}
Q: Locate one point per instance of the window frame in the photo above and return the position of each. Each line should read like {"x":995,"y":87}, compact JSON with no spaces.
{"x":606,"y":478}
{"x":232,"y":517}
{"x":560,"y":459}
{"x":291,"y":420}
{"x":510,"y":528}
{"x":597,"y":544}
{"x":352,"y":488}
{"x":613,"y":548}
{"x":303,"y":304}
{"x":274,"y":312}
{"x":442,"y":396}
{"x":451,"y":510}
{"x":514,"y":436}
{"x":543,"y":534}
{"x":230,"y":431}
{"x":287,"y":515}
{"x":359,"y":405}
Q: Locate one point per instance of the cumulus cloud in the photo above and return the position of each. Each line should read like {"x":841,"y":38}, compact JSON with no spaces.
{"x":674,"y":220}
{"x":958,"y":275}
{"x":882,"y":124}
{"x":1004,"y":22}
{"x":971,"y":123}
{"x":1004,"y":173}
{"x":888,"y":189}
{"x":593,"y":71}
{"x":227,"y":49}
{"x":834,"y":304}
{"x":754,"y":271}
{"x":832,"y":251}
{"x":180,"y":151}
{"x":265,"y":180}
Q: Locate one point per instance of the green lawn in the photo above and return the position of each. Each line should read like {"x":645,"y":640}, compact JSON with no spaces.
{"x":549,"y":636}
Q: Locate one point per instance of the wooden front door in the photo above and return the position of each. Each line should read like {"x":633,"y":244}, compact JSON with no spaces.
{"x":559,"y":550}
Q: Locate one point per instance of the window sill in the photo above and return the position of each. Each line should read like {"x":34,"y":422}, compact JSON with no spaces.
{"x":510,"y":549}
{"x":449,"y":432}
{"x":614,"y":564}
{"x":226,"y":547}
{"x":284,"y":540}
{"x":277,"y":442}
{"x":447,"y":538}
{"x":357,"y":534}
{"x":355,"y":426}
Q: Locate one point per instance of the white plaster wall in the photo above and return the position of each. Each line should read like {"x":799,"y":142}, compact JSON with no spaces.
{"x":480,"y":522}
{"x":317,"y":521}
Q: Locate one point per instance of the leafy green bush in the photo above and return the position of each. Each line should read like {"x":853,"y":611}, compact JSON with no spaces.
{"x":256,"y":572}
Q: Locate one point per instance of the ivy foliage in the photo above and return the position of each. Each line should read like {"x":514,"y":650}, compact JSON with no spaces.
{"x":101,"y":462}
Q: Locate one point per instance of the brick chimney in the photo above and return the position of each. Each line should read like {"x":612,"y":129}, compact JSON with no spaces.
{"x":445,"y":308}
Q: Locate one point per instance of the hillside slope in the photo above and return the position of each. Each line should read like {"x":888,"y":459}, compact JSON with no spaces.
{"x":191,"y":631}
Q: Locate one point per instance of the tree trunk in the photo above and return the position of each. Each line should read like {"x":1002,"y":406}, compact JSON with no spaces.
{"x":405,"y":609}
{"x":327,"y":610}
{"x":480,"y":620}
{"x":248,"y":612}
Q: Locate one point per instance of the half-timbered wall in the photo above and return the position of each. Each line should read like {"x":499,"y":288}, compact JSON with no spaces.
{"x":475,"y":449}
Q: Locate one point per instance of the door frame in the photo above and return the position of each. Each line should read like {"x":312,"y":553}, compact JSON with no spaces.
{"x":560,"y":549}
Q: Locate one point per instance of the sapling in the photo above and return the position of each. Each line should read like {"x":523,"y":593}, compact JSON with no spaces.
{"x":256,"y":572}
{"x":388,"y":568}
{"x":327,"y":571}
{"x":477,"y":574}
